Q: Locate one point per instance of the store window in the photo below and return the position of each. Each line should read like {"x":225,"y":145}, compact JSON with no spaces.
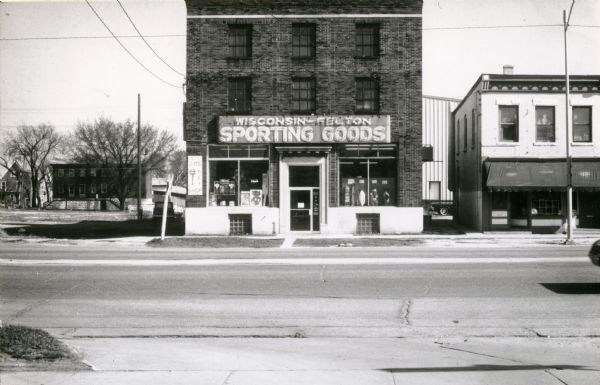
{"x":368,"y":175}
{"x":303,"y":40}
{"x":238,"y":175}
{"x":303,"y":95}
{"x":367,"y":95}
{"x":509,"y":123}
{"x":367,"y":40}
{"x":546,"y":203}
{"x":239,"y":94}
{"x":544,"y":124}
{"x":240,"y":41}
{"x":582,"y":124}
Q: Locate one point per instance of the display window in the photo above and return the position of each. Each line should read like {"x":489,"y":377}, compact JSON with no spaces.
{"x":368,"y":176}
{"x":238,"y":176}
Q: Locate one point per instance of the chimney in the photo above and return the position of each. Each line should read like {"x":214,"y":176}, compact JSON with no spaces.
{"x":508,"y":69}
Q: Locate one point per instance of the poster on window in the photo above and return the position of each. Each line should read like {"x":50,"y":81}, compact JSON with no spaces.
{"x":194,"y":175}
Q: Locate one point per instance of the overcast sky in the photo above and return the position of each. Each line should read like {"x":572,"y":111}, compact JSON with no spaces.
{"x":68,"y":76}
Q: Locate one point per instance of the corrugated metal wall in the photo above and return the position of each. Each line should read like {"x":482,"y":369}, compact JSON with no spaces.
{"x":436,"y":122}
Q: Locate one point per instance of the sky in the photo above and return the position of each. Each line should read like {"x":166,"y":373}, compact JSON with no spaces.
{"x":59,"y":63}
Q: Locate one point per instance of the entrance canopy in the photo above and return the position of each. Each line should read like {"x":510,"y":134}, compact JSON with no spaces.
{"x":518,"y":176}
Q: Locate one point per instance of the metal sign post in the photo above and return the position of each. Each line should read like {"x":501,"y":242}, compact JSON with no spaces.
{"x":165,"y":207}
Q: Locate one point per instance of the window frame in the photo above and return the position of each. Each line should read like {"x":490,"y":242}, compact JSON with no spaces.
{"x":371,"y":49}
{"x":310,"y":99}
{"x":501,"y":137}
{"x":589,"y":124}
{"x":242,"y":48}
{"x":538,"y":109}
{"x":236,"y":87}
{"x":308,"y":31}
{"x":361,"y":90}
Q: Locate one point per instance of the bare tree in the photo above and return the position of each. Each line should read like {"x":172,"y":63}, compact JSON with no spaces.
{"x":113,"y":146}
{"x":178,"y":168}
{"x":35,"y":145}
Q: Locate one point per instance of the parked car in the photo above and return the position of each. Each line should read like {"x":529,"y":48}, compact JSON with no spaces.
{"x":594,"y":253}
{"x":440,"y":207}
{"x":157,"y":213}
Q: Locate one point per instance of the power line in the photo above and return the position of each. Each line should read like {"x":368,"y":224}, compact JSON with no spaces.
{"x":86,"y":37}
{"x":126,"y":50}
{"x":142,"y":36}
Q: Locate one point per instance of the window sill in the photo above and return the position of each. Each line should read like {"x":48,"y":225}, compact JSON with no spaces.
{"x":507,"y":144}
{"x":544,"y":144}
{"x":583,"y":144}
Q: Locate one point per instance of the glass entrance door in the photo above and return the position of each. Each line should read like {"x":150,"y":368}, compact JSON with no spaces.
{"x":301,"y":210}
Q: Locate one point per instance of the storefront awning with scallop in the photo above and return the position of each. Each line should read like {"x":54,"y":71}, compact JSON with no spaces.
{"x":519,"y":176}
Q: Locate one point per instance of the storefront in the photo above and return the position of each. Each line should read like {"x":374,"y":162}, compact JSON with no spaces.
{"x":530,"y":194}
{"x":299,"y":174}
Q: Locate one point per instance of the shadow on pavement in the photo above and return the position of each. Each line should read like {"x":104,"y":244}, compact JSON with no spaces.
{"x":483,"y":368}
{"x":96,"y":229}
{"x":573,"y":287}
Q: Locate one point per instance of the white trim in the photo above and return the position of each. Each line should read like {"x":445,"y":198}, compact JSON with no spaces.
{"x":315,"y":16}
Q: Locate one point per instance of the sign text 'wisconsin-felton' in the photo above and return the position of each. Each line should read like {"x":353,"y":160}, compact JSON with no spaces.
{"x":305,"y":129}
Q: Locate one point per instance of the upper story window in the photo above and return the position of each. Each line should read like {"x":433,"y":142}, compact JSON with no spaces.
{"x":582,"y":124}
{"x":303,"y":40}
{"x":544,"y":124}
{"x":61,"y":172}
{"x":71,"y":172}
{"x":465,"y":134}
{"x":239,"y":92}
{"x":3,"y":186}
{"x":367,"y":40}
{"x":92,"y":172}
{"x":82,"y":172}
{"x":367,"y":95}
{"x":509,"y":123}
{"x":240,"y":41}
{"x":303,"y":95}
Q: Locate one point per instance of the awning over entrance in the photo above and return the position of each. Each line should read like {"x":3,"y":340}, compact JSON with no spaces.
{"x":586,"y":174}
{"x":515,"y":176}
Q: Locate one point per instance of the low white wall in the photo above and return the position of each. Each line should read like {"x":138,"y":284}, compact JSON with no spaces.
{"x":393,"y":220}
{"x":215,"y":220}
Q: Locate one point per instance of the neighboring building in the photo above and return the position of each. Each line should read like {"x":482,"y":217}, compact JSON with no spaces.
{"x":91,"y":187}
{"x":303,"y":116}
{"x":508,"y":152}
{"x":437,"y":118}
{"x":15,"y":187}
{"x":177,"y":196}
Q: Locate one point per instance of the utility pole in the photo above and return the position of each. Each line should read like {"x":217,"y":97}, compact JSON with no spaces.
{"x":139,"y":164}
{"x":566,"y":19}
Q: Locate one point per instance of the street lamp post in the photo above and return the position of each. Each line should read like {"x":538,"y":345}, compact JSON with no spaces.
{"x":139,"y":166}
{"x":566,"y":19}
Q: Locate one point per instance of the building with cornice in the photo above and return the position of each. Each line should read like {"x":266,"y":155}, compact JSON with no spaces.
{"x":303,"y":117}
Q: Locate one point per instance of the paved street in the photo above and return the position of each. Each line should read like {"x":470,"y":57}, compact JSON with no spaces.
{"x":516,"y":312}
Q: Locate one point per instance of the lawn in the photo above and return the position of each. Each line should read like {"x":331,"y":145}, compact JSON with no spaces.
{"x":217,"y":242}
{"x":355,"y":242}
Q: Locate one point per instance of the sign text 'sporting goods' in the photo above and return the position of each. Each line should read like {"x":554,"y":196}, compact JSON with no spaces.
{"x":305,"y":129}
{"x":194,"y":175}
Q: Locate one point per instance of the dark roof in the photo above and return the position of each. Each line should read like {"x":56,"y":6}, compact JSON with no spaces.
{"x":306,"y":6}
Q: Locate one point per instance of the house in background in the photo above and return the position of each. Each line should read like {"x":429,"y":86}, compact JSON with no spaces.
{"x":508,"y":166}
{"x":177,"y":197}
{"x":437,"y":119}
{"x":92,"y":187}
{"x":15,"y":187}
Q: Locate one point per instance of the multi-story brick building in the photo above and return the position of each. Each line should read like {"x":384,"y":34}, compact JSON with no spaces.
{"x":303,"y":116}
{"x":508,"y":144}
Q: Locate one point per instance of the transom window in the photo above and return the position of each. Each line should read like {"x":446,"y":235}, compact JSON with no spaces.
{"x":303,"y":40}
{"x":240,"y":41}
{"x":303,"y":95}
{"x":367,"y":40}
{"x":544,"y":124}
{"x":509,"y":123}
{"x":367,"y":95}
{"x":582,"y":124}
{"x":240,"y":95}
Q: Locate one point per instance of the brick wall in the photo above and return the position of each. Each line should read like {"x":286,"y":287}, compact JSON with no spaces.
{"x":334,"y":68}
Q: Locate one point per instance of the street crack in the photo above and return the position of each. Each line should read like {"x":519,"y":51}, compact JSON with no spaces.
{"x":229,"y":375}
{"x":405,"y":312}
{"x":555,"y":376}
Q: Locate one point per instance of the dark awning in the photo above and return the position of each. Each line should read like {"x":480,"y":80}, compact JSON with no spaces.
{"x":586,"y":174}
{"x":514,"y":176}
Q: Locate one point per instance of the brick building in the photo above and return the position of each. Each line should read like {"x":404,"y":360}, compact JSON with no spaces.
{"x":303,"y":116}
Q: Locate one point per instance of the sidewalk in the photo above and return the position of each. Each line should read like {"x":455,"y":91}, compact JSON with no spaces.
{"x":319,"y":361}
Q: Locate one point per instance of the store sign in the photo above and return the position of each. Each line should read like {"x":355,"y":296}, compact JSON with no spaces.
{"x":305,"y":129}
{"x":194,"y":172}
